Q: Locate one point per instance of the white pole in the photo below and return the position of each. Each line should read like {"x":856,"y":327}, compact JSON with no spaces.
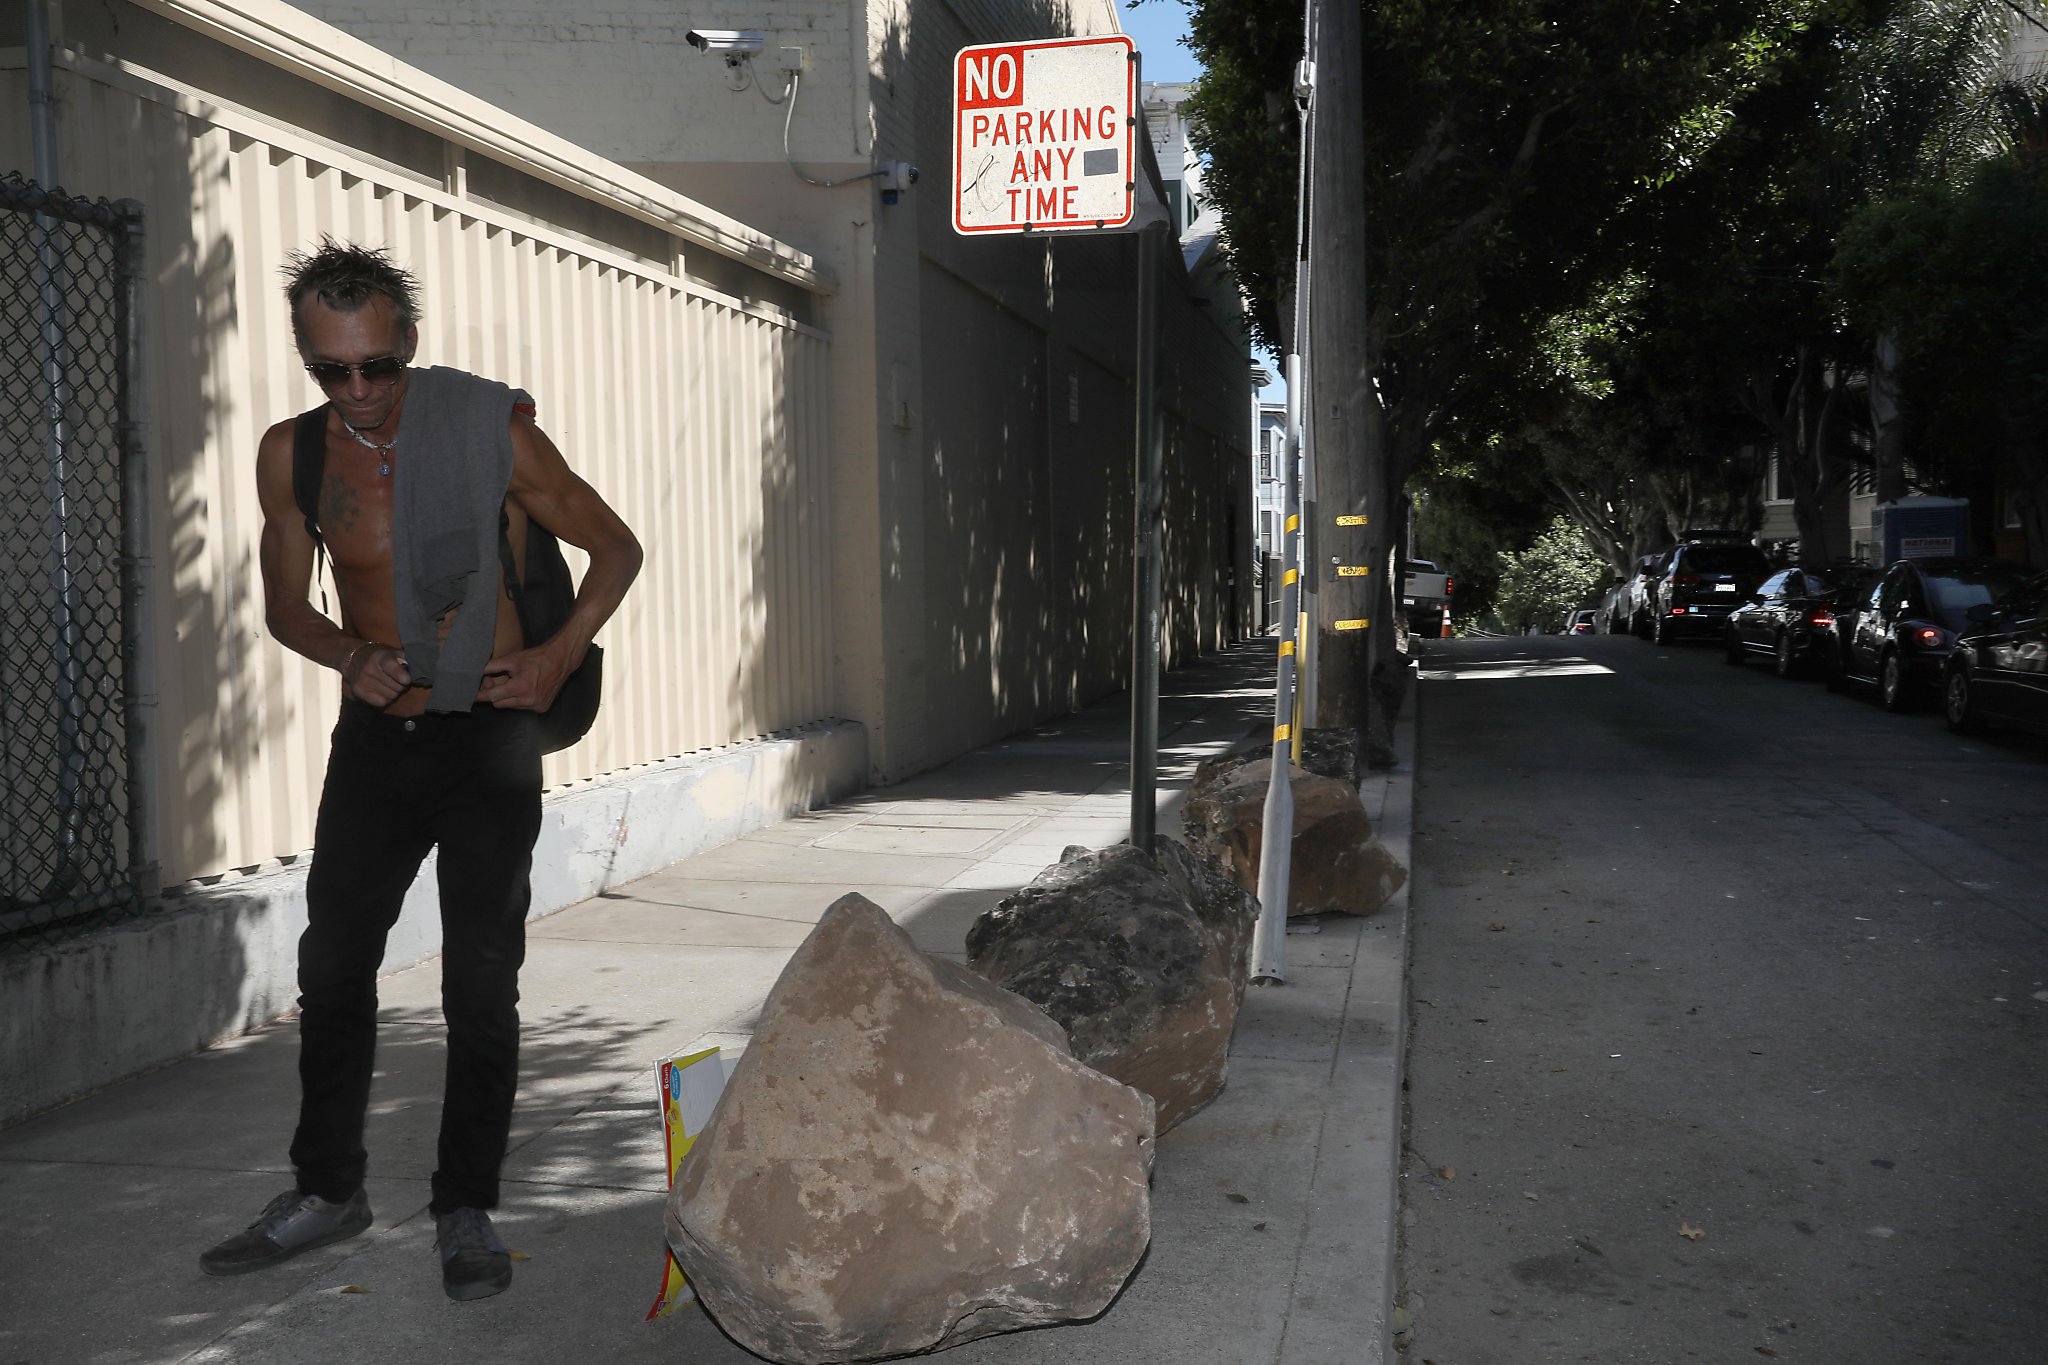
{"x":1276,"y":843}
{"x":1304,"y":297}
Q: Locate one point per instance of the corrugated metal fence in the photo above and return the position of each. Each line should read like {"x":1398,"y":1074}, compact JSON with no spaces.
{"x":699,"y":415}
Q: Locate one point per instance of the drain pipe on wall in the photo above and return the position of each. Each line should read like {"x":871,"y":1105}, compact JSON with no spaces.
{"x":42,"y":103}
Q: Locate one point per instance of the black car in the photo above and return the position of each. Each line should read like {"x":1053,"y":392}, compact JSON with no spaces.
{"x":1703,"y":582}
{"x":1903,"y":626}
{"x":1786,"y":618}
{"x":1997,"y":669}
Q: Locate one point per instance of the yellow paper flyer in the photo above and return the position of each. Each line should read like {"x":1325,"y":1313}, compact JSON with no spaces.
{"x":690,"y":1087}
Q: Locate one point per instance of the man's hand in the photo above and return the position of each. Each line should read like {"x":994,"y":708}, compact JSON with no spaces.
{"x":375,"y":674}
{"x":525,"y":680}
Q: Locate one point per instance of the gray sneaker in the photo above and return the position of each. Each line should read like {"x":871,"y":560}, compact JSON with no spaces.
{"x":291,"y":1223}
{"x":474,"y":1263}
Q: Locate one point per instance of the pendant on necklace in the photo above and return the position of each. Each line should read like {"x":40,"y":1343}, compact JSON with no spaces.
{"x":383,"y":449}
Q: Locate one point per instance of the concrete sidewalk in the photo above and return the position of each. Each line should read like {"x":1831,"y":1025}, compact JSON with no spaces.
{"x":1272,"y":1208}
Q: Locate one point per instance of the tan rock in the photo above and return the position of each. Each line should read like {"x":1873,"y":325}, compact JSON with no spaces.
{"x":907,"y":1157}
{"x":1141,"y":958}
{"x":1336,"y":865}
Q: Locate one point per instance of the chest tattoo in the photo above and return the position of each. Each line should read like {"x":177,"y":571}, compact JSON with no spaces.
{"x":341,"y":507}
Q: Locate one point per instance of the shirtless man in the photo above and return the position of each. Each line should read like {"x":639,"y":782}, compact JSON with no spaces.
{"x":404,"y":776}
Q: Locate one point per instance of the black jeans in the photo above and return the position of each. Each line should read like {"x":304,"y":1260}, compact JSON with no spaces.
{"x":396,"y":788}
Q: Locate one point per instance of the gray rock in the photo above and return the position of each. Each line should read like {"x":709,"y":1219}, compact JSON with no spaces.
{"x":1335,"y":865}
{"x":907,"y":1157}
{"x":1142,"y":959}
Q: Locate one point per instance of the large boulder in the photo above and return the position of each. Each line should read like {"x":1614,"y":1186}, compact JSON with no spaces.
{"x":1336,"y":863}
{"x":1141,"y":958}
{"x":907,"y":1157}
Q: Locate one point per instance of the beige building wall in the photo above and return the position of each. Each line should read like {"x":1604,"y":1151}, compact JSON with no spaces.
{"x":688,"y":384}
{"x":981,"y":400}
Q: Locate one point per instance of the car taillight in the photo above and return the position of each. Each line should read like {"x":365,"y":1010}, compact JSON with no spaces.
{"x":1927,"y":637}
{"x":1821,"y":618}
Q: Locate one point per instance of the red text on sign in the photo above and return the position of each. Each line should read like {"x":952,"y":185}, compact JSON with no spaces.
{"x":1028,"y":128}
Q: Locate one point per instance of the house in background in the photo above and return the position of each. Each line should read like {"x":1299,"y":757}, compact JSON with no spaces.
{"x":1269,"y":494}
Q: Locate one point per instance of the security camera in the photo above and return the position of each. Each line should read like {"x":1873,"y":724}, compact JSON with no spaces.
{"x":895,"y":177}
{"x":735,"y":42}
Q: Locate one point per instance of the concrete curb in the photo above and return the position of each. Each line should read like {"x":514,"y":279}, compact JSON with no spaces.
{"x":1347,"y":1251}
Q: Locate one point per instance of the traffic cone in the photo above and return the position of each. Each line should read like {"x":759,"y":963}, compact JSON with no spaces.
{"x":1447,"y":633}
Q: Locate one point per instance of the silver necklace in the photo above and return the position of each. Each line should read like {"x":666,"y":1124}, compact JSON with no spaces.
{"x":383,"y":449}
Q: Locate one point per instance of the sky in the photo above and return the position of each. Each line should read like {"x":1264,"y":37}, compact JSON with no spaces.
{"x":1158,"y":26}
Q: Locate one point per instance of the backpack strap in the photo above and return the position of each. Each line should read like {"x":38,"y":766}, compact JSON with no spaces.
{"x":309,"y":464}
{"x":513,"y":587}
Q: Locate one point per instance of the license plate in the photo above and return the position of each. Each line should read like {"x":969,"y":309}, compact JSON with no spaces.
{"x":1724,"y":587}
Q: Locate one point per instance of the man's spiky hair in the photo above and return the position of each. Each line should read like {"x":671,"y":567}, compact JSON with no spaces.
{"x":345,"y":277}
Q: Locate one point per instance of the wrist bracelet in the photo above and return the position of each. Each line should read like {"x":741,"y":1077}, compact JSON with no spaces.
{"x":352,"y":658}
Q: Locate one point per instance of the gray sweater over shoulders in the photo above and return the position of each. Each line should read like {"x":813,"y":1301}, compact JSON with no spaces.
{"x":449,"y":486}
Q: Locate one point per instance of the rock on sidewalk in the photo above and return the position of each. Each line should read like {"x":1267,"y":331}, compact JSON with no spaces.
{"x":907,"y":1157}
{"x":1142,"y":959}
{"x":1336,"y":863}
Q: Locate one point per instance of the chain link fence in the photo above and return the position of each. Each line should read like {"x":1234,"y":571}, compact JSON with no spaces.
{"x":74,"y":669}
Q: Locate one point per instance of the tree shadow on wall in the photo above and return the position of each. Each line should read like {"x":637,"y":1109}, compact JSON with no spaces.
{"x":1021,"y":463}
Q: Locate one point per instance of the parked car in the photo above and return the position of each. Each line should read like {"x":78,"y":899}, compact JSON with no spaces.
{"x":1997,"y":669}
{"x":1425,"y":597}
{"x":1907,"y":620}
{"x":1579,"y":622}
{"x":1786,"y":618}
{"x":1702,"y":582}
{"x":1639,"y":590}
{"x":1611,"y":616}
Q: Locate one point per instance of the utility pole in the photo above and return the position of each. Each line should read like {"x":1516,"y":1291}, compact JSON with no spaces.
{"x":1349,"y":525}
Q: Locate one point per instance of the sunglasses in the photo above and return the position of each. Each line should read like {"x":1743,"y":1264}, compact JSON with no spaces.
{"x":383,"y":371}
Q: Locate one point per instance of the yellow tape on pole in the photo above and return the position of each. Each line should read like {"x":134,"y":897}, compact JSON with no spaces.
{"x":1360,"y":624}
{"x":1281,"y":733}
{"x":1292,"y":574}
{"x":1286,"y":648}
{"x":1299,"y":733}
{"x":1293,"y":523}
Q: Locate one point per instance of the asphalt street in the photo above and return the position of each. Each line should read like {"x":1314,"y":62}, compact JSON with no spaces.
{"x":1730,"y":999}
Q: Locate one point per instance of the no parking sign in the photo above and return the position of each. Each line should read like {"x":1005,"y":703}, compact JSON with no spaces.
{"x":1045,"y":136}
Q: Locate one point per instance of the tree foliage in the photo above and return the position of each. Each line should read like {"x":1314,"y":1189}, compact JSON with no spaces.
{"x":1601,"y":237}
{"x":1958,"y":273}
{"x":1542,"y":585}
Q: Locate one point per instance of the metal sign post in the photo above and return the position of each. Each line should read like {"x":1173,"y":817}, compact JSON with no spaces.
{"x":1151,"y":499}
{"x":1045,"y":140}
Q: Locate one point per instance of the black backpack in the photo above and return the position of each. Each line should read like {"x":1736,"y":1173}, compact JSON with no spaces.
{"x":543,"y":601}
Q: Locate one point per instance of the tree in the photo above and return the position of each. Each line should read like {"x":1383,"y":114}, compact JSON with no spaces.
{"x":1959,"y":275}
{"x":1502,"y":141}
{"x":1542,"y":585}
